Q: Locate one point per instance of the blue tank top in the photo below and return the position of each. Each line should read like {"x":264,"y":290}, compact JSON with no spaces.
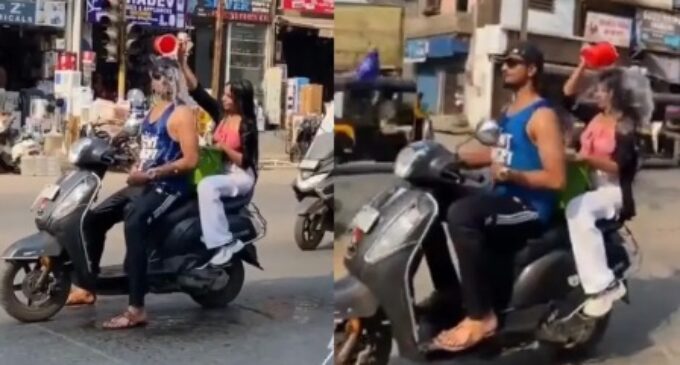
{"x":517,"y":151}
{"x":158,"y":149}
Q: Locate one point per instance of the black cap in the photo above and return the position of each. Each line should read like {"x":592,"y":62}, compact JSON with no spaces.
{"x":529,"y":53}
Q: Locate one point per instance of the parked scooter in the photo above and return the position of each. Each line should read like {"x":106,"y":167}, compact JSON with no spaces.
{"x":305,"y":135}
{"x":313,"y":189}
{"x":537,"y":289}
{"x":48,"y":259}
{"x":662,"y":144}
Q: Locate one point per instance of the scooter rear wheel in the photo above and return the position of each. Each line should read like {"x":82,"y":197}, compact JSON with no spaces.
{"x":221,"y":298}
{"x":43,"y":301}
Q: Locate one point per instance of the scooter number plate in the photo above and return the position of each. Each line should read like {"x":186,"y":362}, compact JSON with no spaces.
{"x":366,"y":218}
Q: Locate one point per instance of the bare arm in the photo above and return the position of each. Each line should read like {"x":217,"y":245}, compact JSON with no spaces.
{"x":475,"y":156}
{"x":182,"y":128}
{"x":570,"y":87}
{"x":605,"y":164}
{"x":545,"y":130}
{"x":189,"y":76}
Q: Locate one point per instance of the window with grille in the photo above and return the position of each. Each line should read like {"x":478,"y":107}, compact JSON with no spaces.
{"x":542,"y":5}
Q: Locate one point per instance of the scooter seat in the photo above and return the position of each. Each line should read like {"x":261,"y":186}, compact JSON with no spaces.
{"x":554,"y":238}
{"x":234,"y":204}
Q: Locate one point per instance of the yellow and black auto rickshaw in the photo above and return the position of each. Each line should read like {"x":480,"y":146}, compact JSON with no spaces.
{"x":375,"y":119}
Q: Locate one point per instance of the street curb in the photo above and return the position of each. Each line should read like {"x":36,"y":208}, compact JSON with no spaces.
{"x":277,"y":164}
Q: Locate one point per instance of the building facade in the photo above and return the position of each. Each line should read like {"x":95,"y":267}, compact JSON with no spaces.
{"x":437,"y":37}
{"x":247,"y":40}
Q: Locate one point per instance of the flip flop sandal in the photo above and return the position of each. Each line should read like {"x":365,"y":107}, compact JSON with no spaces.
{"x":436,"y":345}
{"x":130,"y":322}
{"x":80,"y":301}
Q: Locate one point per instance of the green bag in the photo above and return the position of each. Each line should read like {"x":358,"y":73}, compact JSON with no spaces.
{"x":578,"y":182}
{"x":210,"y":163}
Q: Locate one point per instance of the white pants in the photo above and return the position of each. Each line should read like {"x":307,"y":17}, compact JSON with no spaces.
{"x":214,"y":223}
{"x":587,"y":240}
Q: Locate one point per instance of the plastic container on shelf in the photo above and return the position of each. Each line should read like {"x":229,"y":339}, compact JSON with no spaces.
{"x":53,"y":166}
{"x":28,"y":166}
{"x":40,"y":165}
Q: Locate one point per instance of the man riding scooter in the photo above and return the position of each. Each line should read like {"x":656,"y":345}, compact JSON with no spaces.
{"x":169,"y":153}
{"x":528,"y":167}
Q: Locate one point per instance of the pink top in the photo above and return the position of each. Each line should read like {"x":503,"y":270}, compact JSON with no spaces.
{"x":230,"y":136}
{"x":598,"y":139}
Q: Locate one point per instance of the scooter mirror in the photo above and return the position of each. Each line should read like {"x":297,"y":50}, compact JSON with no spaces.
{"x":132,"y":125}
{"x":487,"y":132}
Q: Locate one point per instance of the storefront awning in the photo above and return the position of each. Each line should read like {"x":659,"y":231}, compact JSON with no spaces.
{"x":325,"y":26}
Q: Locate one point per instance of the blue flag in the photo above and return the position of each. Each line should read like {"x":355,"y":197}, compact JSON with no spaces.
{"x":369,"y":69}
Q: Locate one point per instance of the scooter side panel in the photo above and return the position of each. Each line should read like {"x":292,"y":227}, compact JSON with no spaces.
{"x":390,"y":278}
{"x":32,"y":247}
{"x":353,"y":299}
{"x":546,"y":279}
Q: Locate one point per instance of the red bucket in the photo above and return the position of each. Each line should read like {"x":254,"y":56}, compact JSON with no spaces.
{"x":600,"y":55}
{"x":166,"y":44}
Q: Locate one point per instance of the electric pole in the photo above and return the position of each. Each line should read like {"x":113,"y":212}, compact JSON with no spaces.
{"x":217,"y":50}
{"x":525,"y":19}
{"x":122,"y":59}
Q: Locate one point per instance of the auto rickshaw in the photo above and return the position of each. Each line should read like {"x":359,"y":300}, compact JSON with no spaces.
{"x":375,"y":119}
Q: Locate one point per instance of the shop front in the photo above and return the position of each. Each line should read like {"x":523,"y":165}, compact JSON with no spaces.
{"x":246,"y":38}
{"x":304,"y":42}
{"x":439,"y":67}
{"x":657,"y":46}
{"x":32,"y":32}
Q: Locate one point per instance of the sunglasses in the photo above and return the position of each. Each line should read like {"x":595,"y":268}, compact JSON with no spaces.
{"x":513,"y":62}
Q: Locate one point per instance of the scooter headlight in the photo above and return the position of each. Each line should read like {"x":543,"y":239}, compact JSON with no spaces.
{"x":311,"y":182}
{"x":77,"y":149}
{"x":403,"y":166}
{"x":74,"y":198}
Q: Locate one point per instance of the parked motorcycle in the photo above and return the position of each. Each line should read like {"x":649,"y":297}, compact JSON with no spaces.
{"x":125,"y":146}
{"x":313,"y":189}
{"x":305,"y":135}
{"x":48,"y":259}
{"x":537,"y":289}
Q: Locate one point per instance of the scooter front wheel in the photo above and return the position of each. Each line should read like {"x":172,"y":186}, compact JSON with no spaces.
{"x":309,"y":231}
{"x":40,"y":292}
{"x":362,"y":341}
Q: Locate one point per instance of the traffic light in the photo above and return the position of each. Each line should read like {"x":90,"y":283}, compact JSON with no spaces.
{"x":110,"y":20}
{"x":133,"y":43}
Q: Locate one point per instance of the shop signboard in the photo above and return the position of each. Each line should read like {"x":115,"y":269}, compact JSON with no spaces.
{"x":17,"y":12}
{"x":601,"y":27}
{"x":246,"y":11}
{"x":157,"y":13}
{"x":657,"y":31}
{"x":51,"y":13}
{"x":323,"y":7}
{"x":416,"y":50}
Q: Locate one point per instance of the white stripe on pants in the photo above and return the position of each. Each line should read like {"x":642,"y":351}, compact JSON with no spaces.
{"x":587,"y":240}
{"x":214,"y":223}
